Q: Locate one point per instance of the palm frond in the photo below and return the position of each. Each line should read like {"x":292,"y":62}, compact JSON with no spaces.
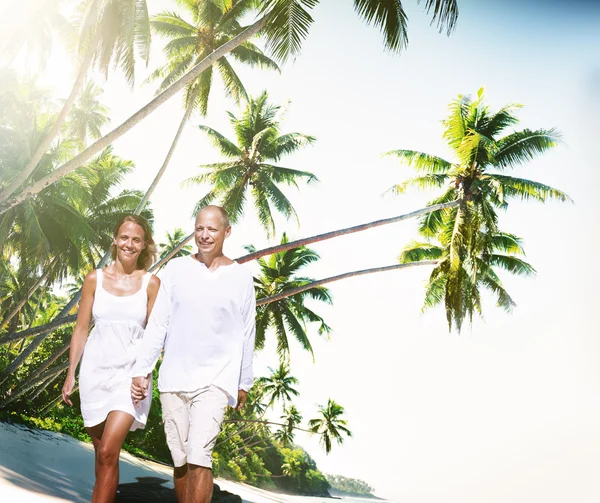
{"x":421,"y":161}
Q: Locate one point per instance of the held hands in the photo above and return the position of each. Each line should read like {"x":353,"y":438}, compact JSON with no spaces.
{"x":139,"y":388}
{"x":67,"y":389}
{"x":241,"y":401}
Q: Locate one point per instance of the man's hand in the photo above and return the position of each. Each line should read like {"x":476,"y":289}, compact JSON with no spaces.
{"x":67,"y":389}
{"x":241,"y":401}
{"x":139,"y":388}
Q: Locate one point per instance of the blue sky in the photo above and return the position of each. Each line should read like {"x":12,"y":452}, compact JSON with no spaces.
{"x":508,"y":410}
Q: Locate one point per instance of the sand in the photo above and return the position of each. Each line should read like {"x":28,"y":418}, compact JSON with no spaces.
{"x":44,"y":466}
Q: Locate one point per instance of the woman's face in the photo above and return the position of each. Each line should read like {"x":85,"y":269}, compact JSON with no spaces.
{"x":129,"y":242}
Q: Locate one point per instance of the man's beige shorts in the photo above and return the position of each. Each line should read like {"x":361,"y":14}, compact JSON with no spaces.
{"x":192,"y":423}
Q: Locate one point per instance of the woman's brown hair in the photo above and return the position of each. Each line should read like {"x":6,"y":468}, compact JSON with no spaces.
{"x":148,"y":255}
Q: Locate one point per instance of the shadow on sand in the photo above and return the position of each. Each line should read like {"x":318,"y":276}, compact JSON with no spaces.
{"x":151,"y":489}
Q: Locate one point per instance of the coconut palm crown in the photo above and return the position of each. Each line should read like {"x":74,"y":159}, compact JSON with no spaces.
{"x":253,"y":166}
{"x":469,"y":233}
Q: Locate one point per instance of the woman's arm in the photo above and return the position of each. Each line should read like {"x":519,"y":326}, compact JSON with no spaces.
{"x":153,"y":288}
{"x":82,"y":326}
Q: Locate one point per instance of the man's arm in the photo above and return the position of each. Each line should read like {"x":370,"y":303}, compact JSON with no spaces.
{"x":249,"y":315}
{"x":156,"y":331}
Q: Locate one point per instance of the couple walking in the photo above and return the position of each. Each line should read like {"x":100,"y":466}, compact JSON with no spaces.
{"x":201,"y":313}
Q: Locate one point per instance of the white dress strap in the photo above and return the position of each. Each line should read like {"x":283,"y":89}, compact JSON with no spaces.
{"x":146,"y":280}
{"x":98,"y":279}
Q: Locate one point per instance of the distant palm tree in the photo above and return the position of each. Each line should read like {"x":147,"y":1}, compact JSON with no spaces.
{"x":292,"y":468}
{"x":88,"y":114}
{"x":253,"y":166}
{"x":330,"y":425}
{"x":278,"y":274}
{"x":279,"y":386}
{"x":291,"y":419}
{"x":476,"y":181}
{"x":34,"y":34}
{"x":173,"y":239}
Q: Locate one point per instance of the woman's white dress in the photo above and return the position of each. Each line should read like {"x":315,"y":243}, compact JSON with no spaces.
{"x":109,"y":355}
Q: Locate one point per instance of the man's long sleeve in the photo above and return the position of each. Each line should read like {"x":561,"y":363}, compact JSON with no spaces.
{"x":249,"y":314}
{"x":156,"y":330}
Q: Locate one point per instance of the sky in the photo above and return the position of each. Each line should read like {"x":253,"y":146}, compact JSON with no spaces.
{"x":508,"y":409}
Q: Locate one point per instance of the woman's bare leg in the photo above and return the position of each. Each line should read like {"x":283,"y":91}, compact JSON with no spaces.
{"x":95,"y":432}
{"x":107,"y":456}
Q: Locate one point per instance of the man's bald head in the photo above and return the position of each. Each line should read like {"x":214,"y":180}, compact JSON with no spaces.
{"x":213,"y":208}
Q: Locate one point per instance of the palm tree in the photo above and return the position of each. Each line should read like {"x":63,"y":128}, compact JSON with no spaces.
{"x":278,"y":274}
{"x":110,"y":32}
{"x":285,"y":23}
{"x":173,"y":240}
{"x":212,"y":25}
{"x":291,"y":419}
{"x":330,"y":425}
{"x":252,"y":167}
{"x":279,"y":386}
{"x":292,"y":468}
{"x":66,"y":227}
{"x":476,"y":180}
{"x":88,"y":114}
{"x":35,"y":33}
{"x":460,"y":291}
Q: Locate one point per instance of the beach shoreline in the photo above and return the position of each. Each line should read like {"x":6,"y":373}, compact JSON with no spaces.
{"x":39,"y":465}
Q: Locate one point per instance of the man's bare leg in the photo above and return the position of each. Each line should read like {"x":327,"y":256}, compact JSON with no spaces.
{"x":199,"y":484}
{"x":180,"y":479}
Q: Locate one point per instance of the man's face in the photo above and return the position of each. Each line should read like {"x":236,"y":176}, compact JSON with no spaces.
{"x":210,"y":231}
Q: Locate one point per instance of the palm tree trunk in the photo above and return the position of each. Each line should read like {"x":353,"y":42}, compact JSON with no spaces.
{"x":31,"y":384}
{"x":314,"y":239}
{"x":119,"y":131}
{"x":331,"y":279}
{"x":38,"y":371}
{"x":46,"y":330}
{"x":47,"y":140}
{"x":43,"y":386}
{"x":161,"y":171}
{"x":58,"y":321}
{"x":54,"y":402}
{"x":31,"y":291}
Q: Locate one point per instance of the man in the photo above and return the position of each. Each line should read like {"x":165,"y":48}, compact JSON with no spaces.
{"x":204,"y":317}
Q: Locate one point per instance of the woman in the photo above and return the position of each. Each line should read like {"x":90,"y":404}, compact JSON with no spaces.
{"x":120,"y":298}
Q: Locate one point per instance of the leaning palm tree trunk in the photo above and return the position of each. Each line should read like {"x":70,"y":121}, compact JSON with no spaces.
{"x":39,"y":370}
{"x":331,"y":279}
{"x":314,"y":239}
{"x":34,"y":344}
{"x":28,"y":295}
{"x":54,"y":402}
{"x":161,"y":171}
{"x":119,"y":131}
{"x":25,"y":389}
{"x":43,"y":386}
{"x":61,"y":320}
{"x":55,"y":130}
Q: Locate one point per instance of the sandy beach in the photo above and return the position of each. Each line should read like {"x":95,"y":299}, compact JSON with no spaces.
{"x":44,"y":466}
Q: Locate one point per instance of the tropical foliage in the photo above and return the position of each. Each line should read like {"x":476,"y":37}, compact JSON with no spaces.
{"x":62,"y":189}
{"x":330,"y":425}
{"x":468,"y":237}
{"x":252,"y":169}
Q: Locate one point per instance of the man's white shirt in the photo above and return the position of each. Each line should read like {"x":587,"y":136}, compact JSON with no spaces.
{"x":206,"y":322}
